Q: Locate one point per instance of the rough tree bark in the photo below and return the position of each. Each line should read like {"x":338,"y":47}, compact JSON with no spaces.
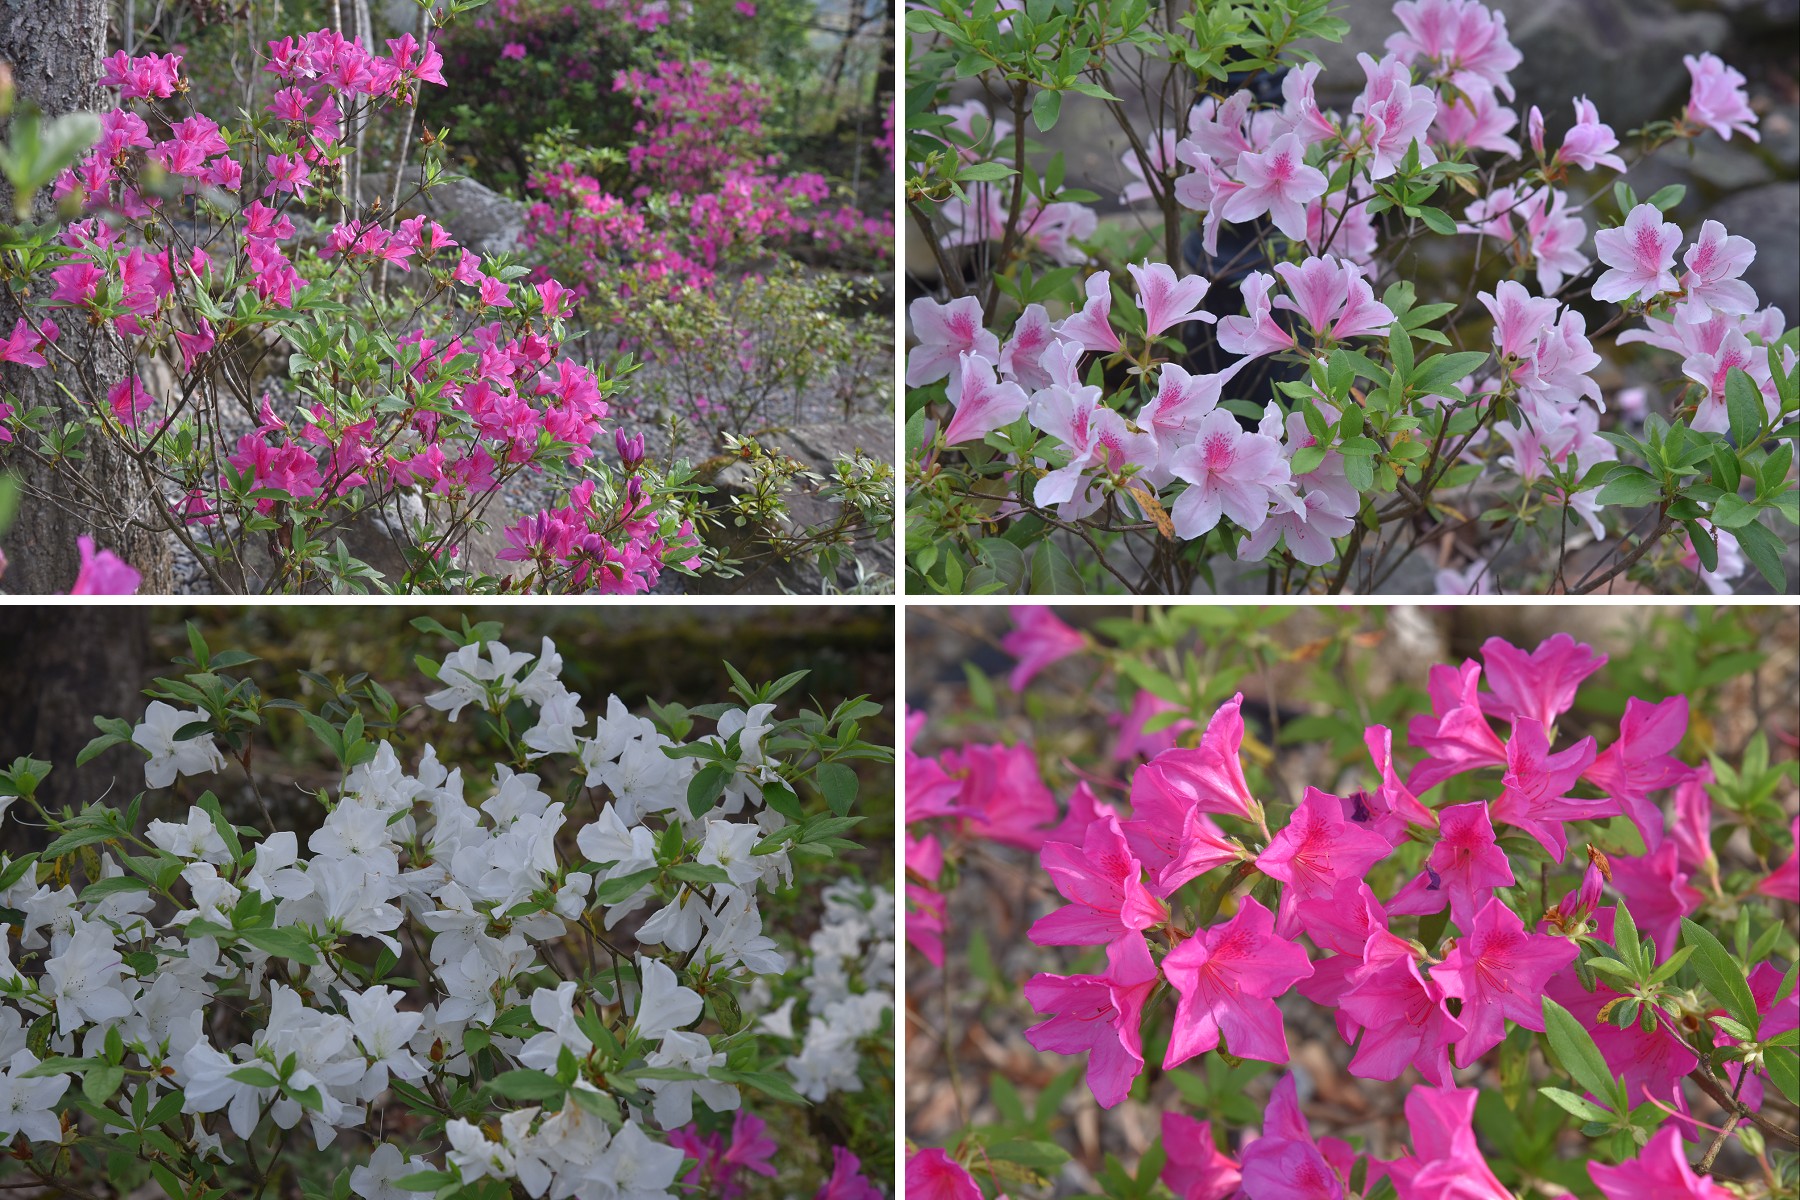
{"x":55,"y":50}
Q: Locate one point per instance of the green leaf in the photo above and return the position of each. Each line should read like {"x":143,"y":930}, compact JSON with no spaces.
{"x":1720,"y":973}
{"x":1632,"y":487}
{"x":525,"y":1085}
{"x":1043,"y":1157}
{"x":838,"y":783}
{"x":778,"y":796}
{"x":255,"y":1077}
{"x":1576,"y":1050}
{"x":99,"y":1084}
{"x":769,"y":1083}
{"x":422,"y":1181}
{"x":707,"y":785}
{"x":1783,"y":1066}
{"x":1668,"y":197}
{"x":1579,"y":1106}
{"x":986,"y":172}
{"x":623,"y":886}
{"x":1046,"y":106}
{"x":1052,"y":574}
{"x":1744,"y":408}
{"x":285,"y":942}
{"x":1437,"y":220}
{"x":1764,"y":549}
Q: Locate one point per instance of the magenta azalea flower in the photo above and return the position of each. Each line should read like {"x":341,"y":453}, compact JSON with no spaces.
{"x":1657,"y":891}
{"x":1316,"y":851}
{"x":1446,"y":1162}
{"x":1037,"y":639}
{"x":1462,"y":870}
{"x":1457,"y":736}
{"x":1230,"y":472}
{"x":934,"y":1175}
{"x":1499,"y":972}
{"x":103,"y":573}
{"x":847,"y":1181}
{"x":1229,"y":977}
{"x":1003,"y":797}
{"x":1641,"y":255}
{"x":1640,"y":762}
{"x":1196,"y":1169}
{"x":1098,"y":1015}
{"x":1285,"y":1163}
{"x":1660,"y":1170}
{"x":1534,"y":795}
{"x":1540,"y":685}
{"x":1402,"y":1015}
{"x":1104,"y":883}
{"x":1209,"y":777}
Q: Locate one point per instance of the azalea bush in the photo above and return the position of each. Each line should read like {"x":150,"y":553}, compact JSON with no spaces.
{"x":1265,"y":383}
{"x":420,"y":378}
{"x":571,"y":955}
{"x":1541,"y":908}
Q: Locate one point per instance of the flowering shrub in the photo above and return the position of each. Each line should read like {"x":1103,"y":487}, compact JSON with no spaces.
{"x":423,"y":377}
{"x":539,"y":1002}
{"x":1254,"y":379}
{"x":1532,"y":931}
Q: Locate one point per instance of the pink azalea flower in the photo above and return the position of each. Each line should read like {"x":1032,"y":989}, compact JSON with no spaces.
{"x":1446,"y":1162}
{"x":934,"y":1175}
{"x":129,"y":398}
{"x":287,"y":173}
{"x":1277,"y":182}
{"x":1660,"y":1169}
{"x":1519,"y":318}
{"x":1460,"y":38}
{"x":1229,"y":977}
{"x":1084,"y":810}
{"x":1402,"y":1015}
{"x":1230,"y":472}
{"x":1285,"y":1163}
{"x":1657,"y":891}
{"x":1317,"y":850}
{"x":1393,"y":803}
{"x":1476,"y":120}
{"x":1105,"y":886}
{"x":1169,"y":833}
{"x":1166,"y":300}
{"x":1003,"y":796}
{"x":847,"y":1181}
{"x":1463,"y":869}
{"x":1133,"y":742}
{"x":1648,"y":1064}
{"x":1691,"y":830}
{"x":1395,"y":112}
{"x":1021,"y":357}
{"x":513,"y":50}
{"x":1714,"y":263}
{"x":926,"y":921}
{"x":1196,"y":1169}
{"x":1641,"y":255}
{"x":193,"y":345}
{"x":1457,"y":736}
{"x":1259,"y":333}
{"x":1590,"y":142}
{"x":1037,"y":639}
{"x":1540,"y":685}
{"x":1209,"y":778}
{"x":1499,"y":972}
{"x":103,"y":573}
{"x":1535,"y":788}
{"x":23,"y":346}
{"x":1096,"y":437}
{"x":1332,"y":297}
{"x":983,"y":403}
{"x":1098,"y":1015}
{"x":1091,"y":328}
{"x":1783,"y":882}
{"x":945,"y":331}
{"x":1717,"y":99}
{"x":1640,"y":763}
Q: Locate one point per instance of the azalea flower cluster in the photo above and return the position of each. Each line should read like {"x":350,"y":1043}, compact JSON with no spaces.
{"x":477,"y":393}
{"x":1483,"y":959}
{"x":1115,"y":416}
{"x":707,"y":190}
{"x":219,"y":976}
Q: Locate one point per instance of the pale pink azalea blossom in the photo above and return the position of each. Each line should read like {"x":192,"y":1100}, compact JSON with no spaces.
{"x":1091,"y":328}
{"x":1277,"y":182}
{"x":1476,"y":579}
{"x":1300,"y":109}
{"x":983,"y":403}
{"x":1713,"y":370}
{"x":1717,"y":99}
{"x":1714,"y":265}
{"x":1230,"y":472}
{"x":1519,"y":318}
{"x":1396,"y":115}
{"x":1021,"y":358}
{"x":945,"y":332}
{"x":1258,"y":333}
{"x":1161,"y":153}
{"x":1461,"y":38}
{"x":1333,"y":298}
{"x":1476,"y":120}
{"x":1173,"y":415}
{"x":1095,"y":436}
{"x":1166,"y":300}
{"x":1641,"y":255}
{"x":1590,"y":142}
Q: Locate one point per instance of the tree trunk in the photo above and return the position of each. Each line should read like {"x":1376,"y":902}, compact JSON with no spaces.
{"x":64,"y":666}
{"x":55,"y":51}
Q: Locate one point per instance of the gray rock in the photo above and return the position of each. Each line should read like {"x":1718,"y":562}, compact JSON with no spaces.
{"x":1769,"y":216}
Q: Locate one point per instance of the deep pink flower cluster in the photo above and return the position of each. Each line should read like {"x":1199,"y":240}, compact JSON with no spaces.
{"x":1329,"y":939}
{"x":479,"y":404}
{"x":698,"y":120}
